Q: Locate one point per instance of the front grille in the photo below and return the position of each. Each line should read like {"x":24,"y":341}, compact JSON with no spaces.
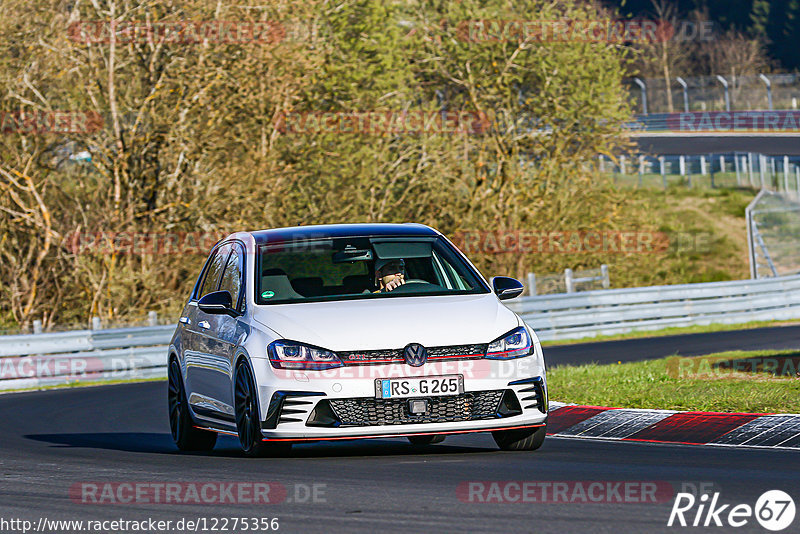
{"x":452,"y":352}
{"x":365,"y":411}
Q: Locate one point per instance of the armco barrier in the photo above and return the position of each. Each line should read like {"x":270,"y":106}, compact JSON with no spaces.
{"x":105,"y":355}
{"x":616,"y":311}
{"x":37,"y":360}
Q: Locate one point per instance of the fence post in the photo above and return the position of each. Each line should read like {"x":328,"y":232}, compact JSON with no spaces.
{"x":37,"y":326}
{"x":703,"y":165}
{"x":663,"y":167}
{"x":96,"y":323}
{"x":711,"y":169}
{"x":761,"y":165}
{"x":786,"y":173}
{"x":152,"y":318}
{"x":750,"y":167}
{"x":622,"y":165}
{"x":797,"y":179}
{"x":531,"y":284}
{"x":602,"y":164}
{"x":736,"y":166}
{"x":641,"y":169}
{"x":682,"y":160}
{"x":606,"y":279}
{"x":722,"y":164}
{"x":568,"y":280}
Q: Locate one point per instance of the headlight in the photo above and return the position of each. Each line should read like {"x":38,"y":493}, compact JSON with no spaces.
{"x":515,"y":344}
{"x":292,"y":355}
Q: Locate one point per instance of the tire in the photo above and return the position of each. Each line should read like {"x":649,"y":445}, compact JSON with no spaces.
{"x":184,"y":433}
{"x":248,"y":423}
{"x":520,"y":440}
{"x":426,"y":440}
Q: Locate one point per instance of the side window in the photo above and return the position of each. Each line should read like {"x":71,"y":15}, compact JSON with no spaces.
{"x":232,"y":277}
{"x":214,"y":270}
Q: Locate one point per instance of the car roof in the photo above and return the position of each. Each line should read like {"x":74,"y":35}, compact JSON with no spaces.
{"x":322,"y":231}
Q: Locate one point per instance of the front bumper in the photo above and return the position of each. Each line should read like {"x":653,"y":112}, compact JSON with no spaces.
{"x":308,"y":415}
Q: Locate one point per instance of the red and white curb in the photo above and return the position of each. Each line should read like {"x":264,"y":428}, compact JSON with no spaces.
{"x":768,"y":431}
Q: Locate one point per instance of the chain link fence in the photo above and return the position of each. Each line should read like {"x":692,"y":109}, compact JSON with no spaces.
{"x":707,"y":93}
{"x":773,"y":234}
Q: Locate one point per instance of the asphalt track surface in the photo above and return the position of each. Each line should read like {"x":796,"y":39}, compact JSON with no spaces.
{"x":708,"y":144}
{"x":53,"y":440}
{"x":630,"y":350}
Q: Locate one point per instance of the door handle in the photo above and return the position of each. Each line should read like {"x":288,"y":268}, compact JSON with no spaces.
{"x":185,"y":320}
{"x":204,"y":324}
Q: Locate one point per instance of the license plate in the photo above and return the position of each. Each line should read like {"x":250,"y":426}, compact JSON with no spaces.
{"x":428,"y":386}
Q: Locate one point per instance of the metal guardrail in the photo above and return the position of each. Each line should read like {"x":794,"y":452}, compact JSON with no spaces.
{"x":617,"y":311}
{"x":105,"y":355}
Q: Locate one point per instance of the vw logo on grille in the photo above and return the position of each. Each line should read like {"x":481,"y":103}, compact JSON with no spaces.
{"x":415,"y":354}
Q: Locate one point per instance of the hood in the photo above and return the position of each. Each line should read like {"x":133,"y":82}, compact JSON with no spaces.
{"x":391,"y":323}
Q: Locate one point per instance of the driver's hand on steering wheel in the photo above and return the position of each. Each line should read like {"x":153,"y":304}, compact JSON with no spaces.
{"x":395,"y":282}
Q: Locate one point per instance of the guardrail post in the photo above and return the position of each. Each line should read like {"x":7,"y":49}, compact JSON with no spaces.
{"x":532,"y":284}
{"x":568,"y":280}
{"x":663,"y":168}
{"x":96,"y":323}
{"x":606,"y":279}
{"x":37,"y":326}
{"x":152,"y":318}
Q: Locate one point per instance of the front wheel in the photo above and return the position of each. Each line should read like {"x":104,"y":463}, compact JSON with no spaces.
{"x":184,"y":434}
{"x":525,"y":439}
{"x":248,"y":423}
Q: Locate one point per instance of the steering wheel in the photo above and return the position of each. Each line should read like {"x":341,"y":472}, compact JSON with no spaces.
{"x":416,"y":281}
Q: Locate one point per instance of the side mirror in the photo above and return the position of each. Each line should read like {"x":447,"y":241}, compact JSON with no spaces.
{"x":507,"y":288}
{"x":217,"y":303}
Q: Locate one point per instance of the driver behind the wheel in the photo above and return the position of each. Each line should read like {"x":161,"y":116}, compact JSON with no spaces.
{"x":389,"y":274}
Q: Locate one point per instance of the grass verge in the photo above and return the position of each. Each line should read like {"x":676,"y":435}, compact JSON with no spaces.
{"x":755,"y":382}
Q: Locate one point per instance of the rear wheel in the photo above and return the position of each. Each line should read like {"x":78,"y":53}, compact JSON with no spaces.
{"x":426,"y":440}
{"x":526,"y":439}
{"x":248,"y":423}
{"x":184,"y":434}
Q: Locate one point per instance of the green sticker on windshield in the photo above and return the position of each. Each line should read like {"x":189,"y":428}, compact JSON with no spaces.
{"x":267,"y":294}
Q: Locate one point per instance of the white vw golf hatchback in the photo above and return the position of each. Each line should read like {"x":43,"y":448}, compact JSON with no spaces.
{"x":351,"y":331}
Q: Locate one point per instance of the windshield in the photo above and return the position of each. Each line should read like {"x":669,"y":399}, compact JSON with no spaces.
{"x":361,"y":268}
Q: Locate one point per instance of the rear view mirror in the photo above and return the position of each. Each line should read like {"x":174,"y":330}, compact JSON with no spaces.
{"x":507,"y":288}
{"x":217,"y":303}
{"x":348,"y":255}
